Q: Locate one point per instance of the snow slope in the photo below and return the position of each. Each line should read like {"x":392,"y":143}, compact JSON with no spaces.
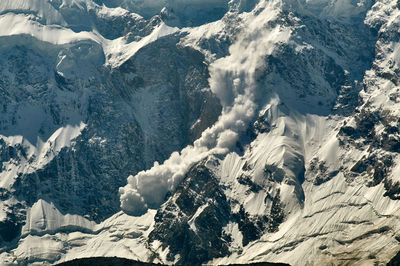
{"x":264,"y":131}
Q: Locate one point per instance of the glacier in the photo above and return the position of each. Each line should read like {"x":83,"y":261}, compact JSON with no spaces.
{"x":199,"y":132}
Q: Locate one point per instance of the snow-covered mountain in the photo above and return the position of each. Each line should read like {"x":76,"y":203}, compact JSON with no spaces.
{"x":191,"y":132}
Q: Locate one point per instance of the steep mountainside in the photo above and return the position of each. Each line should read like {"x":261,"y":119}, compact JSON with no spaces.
{"x":191,"y":132}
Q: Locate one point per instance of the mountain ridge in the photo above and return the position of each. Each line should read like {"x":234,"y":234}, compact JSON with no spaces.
{"x":265,"y":131}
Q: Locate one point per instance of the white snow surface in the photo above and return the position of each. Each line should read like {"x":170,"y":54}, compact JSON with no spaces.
{"x":40,"y":9}
{"x":40,"y":19}
{"x":334,"y":220}
{"x":119,"y":51}
{"x":50,"y":236}
{"x":44,"y":218}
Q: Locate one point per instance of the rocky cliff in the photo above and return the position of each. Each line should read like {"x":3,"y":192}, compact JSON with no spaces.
{"x":194,"y":132}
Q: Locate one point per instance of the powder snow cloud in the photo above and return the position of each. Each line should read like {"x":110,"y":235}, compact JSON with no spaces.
{"x":232,"y":80}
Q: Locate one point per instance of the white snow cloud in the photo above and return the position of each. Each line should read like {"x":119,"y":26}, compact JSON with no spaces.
{"x":231,"y":79}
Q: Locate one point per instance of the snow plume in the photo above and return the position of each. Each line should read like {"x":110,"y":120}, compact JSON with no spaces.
{"x":232,"y":80}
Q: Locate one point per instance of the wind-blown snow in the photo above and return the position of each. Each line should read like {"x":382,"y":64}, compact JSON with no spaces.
{"x":232,"y":80}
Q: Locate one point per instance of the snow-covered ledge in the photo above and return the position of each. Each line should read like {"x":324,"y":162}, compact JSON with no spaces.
{"x":44,"y":218}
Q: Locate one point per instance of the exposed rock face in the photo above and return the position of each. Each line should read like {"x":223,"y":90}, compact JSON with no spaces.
{"x":83,"y":131}
{"x":193,"y":222}
{"x":270,"y":131}
{"x":112,"y":144}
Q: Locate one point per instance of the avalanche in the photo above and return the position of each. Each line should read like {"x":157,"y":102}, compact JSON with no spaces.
{"x":251,"y":131}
